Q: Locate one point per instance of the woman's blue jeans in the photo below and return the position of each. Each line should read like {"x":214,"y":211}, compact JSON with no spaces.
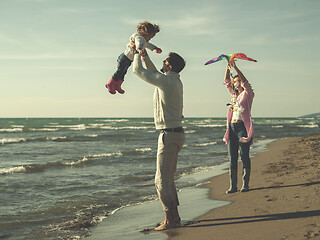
{"x":238,"y":130}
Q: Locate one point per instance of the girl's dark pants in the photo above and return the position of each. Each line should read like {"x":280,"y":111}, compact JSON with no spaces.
{"x":123,"y":64}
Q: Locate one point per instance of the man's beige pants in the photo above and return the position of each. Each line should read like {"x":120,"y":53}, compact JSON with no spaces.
{"x":169,"y":145}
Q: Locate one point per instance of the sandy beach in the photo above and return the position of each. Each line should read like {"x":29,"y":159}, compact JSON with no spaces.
{"x":284,"y":201}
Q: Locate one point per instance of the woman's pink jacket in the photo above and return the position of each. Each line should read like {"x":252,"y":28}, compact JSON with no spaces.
{"x":244,"y":100}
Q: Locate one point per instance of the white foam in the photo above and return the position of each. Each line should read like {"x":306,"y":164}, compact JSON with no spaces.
{"x":143,"y":149}
{"x":44,"y":129}
{"x":190,"y":131}
{"x":11,"y":129}
{"x":77,"y":127}
{"x":92,"y":135}
{"x":204,"y":144}
{"x":114,"y":120}
{"x":56,"y":138}
{"x":124,"y":128}
{"x":96,"y":125}
{"x":308,"y":126}
{"x":76,"y":162}
{"x":105,"y":155}
{"x":20,"y":169}
{"x":199,"y":170}
{"x":11,"y":140}
{"x":150,"y":123}
{"x":212,"y":125}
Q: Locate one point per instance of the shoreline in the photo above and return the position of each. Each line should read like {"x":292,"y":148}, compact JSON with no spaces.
{"x":134,"y":222}
{"x":284,"y":201}
{"x":133,"y":225}
{"x":215,"y":209}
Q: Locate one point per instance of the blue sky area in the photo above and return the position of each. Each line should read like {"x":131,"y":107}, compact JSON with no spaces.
{"x":56,"y":55}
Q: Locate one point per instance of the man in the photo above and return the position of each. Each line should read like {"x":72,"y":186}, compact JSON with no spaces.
{"x":168,"y":104}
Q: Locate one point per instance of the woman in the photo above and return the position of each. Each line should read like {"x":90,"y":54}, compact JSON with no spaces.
{"x":240,"y":130}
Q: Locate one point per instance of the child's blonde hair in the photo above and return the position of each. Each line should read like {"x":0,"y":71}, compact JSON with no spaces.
{"x":146,"y":28}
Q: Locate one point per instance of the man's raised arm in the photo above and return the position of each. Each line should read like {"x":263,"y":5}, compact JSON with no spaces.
{"x":150,"y":75}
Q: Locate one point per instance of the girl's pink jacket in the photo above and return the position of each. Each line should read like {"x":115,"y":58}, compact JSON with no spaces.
{"x":245,"y":100}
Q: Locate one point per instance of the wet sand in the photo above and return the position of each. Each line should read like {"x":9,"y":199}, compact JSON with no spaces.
{"x":284,"y":201}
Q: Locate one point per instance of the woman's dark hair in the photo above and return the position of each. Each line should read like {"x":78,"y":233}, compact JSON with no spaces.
{"x":176,"y":61}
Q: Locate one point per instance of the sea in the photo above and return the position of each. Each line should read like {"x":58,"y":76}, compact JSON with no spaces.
{"x":60,"y":177}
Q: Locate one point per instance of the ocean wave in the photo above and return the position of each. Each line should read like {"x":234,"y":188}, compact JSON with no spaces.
{"x":17,"y":126}
{"x":102,"y":155}
{"x":107,"y":127}
{"x":43,"y":129}
{"x":197,"y":122}
{"x":19,"y":169}
{"x":92,"y":135}
{"x":58,"y":139}
{"x":79,"y":127}
{"x":143,"y":149}
{"x":12,"y":140}
{"x":23,"y":169}
{"x":204,"y":144}
{"x":78,"y":162}
{"x":114,"y":120}
{"x":11,"y":130}
{"x":80,"y":138}
{"x":76,"y":127}
{"x":150,"y":123}
{"x":197,"y":170}
{"x":308,"y":126}
{"x":95,"y":125}
{"x":277,"y":126}
{"x":135,"y":179}
{"x":276,"y":121}
{"x":211,"y":125}
{"x":190,"y":131}
{"x":126,"y":128}
{"x":34,"y":168}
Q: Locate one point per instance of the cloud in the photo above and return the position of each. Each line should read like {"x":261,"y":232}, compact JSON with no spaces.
{"x":49,"y":56}
{"x":82,"y":11}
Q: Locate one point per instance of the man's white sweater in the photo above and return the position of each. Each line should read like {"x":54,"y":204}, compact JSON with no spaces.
{"x":168,"y":94}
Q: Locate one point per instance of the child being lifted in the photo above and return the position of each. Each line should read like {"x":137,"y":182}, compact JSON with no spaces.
{"x":138,"y":43}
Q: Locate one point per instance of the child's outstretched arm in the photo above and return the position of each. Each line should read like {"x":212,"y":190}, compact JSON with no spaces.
{"x":153,"y":47}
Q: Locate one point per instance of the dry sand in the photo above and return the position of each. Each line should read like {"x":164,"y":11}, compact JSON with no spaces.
{"x":284,"y":201}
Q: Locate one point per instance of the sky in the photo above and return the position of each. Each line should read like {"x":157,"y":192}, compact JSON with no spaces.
{"x":57,"y":55}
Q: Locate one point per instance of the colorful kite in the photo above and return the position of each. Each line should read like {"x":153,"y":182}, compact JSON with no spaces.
{"x":230,"y":58}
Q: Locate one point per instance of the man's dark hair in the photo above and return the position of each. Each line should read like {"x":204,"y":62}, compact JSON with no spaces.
{"x":176,"y":61}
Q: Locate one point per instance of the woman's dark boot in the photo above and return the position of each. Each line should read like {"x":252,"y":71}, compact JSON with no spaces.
{"x":233,"y":173}
{"x":245,"y":178}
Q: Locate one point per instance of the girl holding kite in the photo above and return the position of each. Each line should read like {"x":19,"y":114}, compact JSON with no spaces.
{"x":240,"y":129}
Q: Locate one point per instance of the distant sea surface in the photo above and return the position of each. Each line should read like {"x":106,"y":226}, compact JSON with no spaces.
{"x":59,"y":177}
